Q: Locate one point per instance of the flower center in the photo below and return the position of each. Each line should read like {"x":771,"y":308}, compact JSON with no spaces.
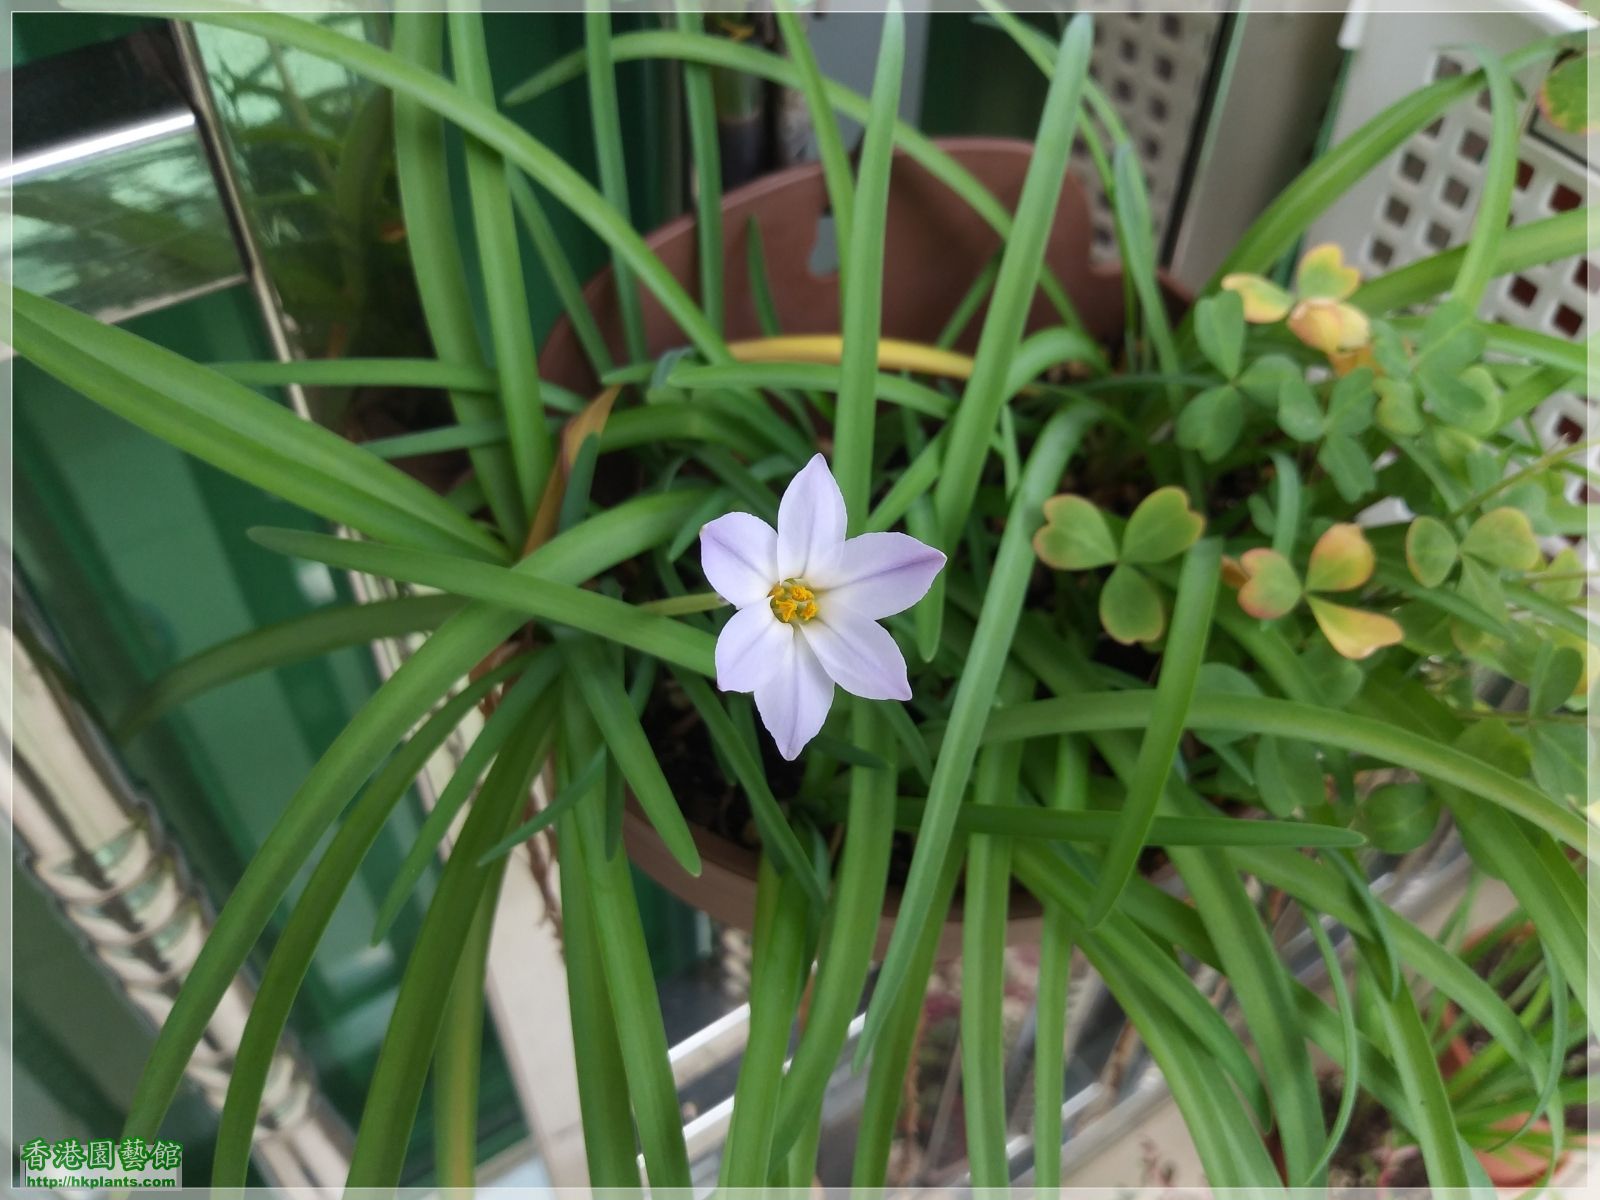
{"x":792,"y":600}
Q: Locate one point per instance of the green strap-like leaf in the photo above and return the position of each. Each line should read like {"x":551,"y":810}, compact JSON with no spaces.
{"x":701,"y":108}
{"x":505,"y":290}
{"x":424,"y":179}
{"x":861,"y":308}
{"x":1286,"y":718}
{"x":1497,"y":185}
{"x":555,"y":603}
{"x":1013,"y":290}
{"x":1002,"y":607}
{"x":318,"y":632}
{"x":237,"y":430}
{"x":1180,"y":667}
{"x":313,"y":910}
{"x":609,"y":147}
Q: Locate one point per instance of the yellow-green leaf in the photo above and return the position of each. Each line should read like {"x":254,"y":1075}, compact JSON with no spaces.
{"x":1270,"y":588}
{"x":1342,"y":559}
{"x":1161,"y":527}
{"x":1503,"y":537}
{"x":1566,"y":98}
{"x":1329,"y":325}
{"x":1354,"y":632}
{"x":1323,"y":275}
{"x":1264,"y":301}
{"x":1130,"y":607}
{"x":1074,"y":536}
{"x":1430,"y":551}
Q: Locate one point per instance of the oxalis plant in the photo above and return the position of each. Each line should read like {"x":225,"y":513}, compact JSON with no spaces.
{"x":1029,"y":612}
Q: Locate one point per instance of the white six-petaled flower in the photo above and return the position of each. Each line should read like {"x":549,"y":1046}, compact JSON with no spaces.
{"x":809,"y":602}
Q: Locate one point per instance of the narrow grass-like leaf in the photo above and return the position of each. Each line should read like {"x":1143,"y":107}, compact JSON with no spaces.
{"x":424,"y":180}
{"x":457,"y":1057}
{"x":554,"y":603}
{"x":313,"y":910}
{"x":777,"y":838}
{"x":629,"y":747}
{"x":609,"y":145}
{"x":579,"y":787}
{"x":1549,"y":240}
{"x":862,"y":305}
{"x":969,"y":711}
{"x":779,"y":944}
{"x":858,"y":890}
{"x":702,"y":120}
{"x":320,"y":631}
{"x":395,"y":1090}
{"x":1496,"y":187}
{"x":602,"y":1074}
{"x":1099,"y":828}
{"x":553,"y":256}
{"x":433,"y":441}
{"x":1261,"y":983}
{"x":1331,"y":174}
{"x":986,"y":897}
{"x":1131,"y":207}
{"x":1429,"y":1103}
{"x":454,"y":649}
{"x":631,"y":984}
{"x":1180,"y":667}
{"x":763,"y":64}
{"x":1351,"y":1083}
{"x":505,"y":291}
{"x":361,"y":372}
{"x":824,"y":126}
{"x":1285,"y":718}
{"x":886,"y":1074}
{"x":510,"y":717}
{"x":1013,"y":291}
{"x":238,"y":431}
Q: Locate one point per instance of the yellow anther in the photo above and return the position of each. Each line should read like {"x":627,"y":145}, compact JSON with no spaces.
{"x":791,"y":599}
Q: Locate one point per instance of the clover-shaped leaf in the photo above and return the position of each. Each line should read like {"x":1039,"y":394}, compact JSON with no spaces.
{"x":1342,"y":560}
{"x":1162,"y":527}
{"x":1289,"y":775}
{"x":1503,"y":537}
{"x":1263,"y":379}
{"x":1397,"y":413}
{"x":1130,"y":607}
{"x":1219,"y":328}
{"x":1557,"y":673}
{"x":1563,"y":581}
{"x":1430,"y":551}
{"x":1567,"y":100}
{"x":1270,"y":587}
{"x":1330,"y":326}
{"x":1354,"y":632}
{"x":1323,"y":275}
{"x":1399,"y":817}
{"x":1351,"y":402}
{"x":1264,"y":301}
{"x":1074,"y":536}
{"x":1211,"y":422}
{"x":1299,"y":414}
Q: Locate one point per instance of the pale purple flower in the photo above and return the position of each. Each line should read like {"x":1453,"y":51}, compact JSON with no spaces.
{"x":809,"y":602}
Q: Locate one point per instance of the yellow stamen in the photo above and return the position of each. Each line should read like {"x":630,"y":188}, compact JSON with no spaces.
{"x":792,"y":599}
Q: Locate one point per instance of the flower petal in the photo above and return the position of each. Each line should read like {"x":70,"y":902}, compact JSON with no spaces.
{"x":811,"y":520}
{"x":878,"y":574}
{"x":858,"y":653}
{"x":795,"y":698}
{"x":738,"y":553}
{"x":750,"y":647}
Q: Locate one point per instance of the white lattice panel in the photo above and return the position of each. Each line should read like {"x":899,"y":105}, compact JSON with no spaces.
{"x":1424,"y":198}
{"x":1153,"y":67}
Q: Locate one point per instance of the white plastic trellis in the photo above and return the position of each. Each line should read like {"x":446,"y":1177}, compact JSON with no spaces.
{"x":1424,"y":198}
{"x":1153,"y":67}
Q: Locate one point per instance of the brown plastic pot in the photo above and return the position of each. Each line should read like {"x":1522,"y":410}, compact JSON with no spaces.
{"x":935,"y":246}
